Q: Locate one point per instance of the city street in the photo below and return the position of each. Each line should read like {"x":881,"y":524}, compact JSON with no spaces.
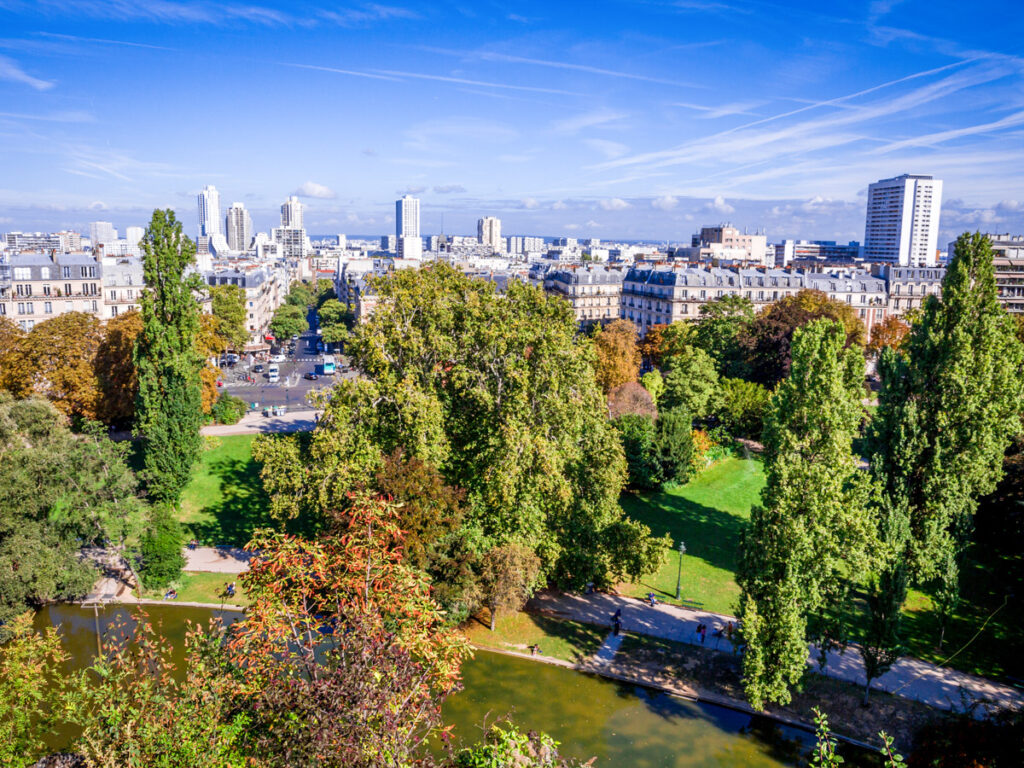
{"x":292,"y":388}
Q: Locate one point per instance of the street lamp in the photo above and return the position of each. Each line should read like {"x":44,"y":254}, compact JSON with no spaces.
{"x":679,"y":573}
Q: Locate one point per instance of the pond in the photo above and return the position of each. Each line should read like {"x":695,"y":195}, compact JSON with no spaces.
{"x":618,"y":723}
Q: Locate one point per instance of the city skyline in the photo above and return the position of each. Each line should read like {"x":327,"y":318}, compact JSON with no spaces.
{"x":635,"y":121}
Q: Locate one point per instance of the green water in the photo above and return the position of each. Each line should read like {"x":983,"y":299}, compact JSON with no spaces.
{"x":619,"y":724}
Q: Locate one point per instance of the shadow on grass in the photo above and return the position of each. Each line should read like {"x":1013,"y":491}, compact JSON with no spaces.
{"x":710,"y":534}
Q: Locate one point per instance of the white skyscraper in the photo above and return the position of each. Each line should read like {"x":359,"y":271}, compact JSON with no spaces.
{"x":902,"y":224}
{"x":488,"y":232}
{"x":238,"y":226}
{"x":101,"y":232}
{"x":209,"y":212}
{"x":407,"y":217}
{"x":291,"y":213}
{"x":134,"y":235}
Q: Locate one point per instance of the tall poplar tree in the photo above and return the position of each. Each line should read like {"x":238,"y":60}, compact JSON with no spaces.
{"x":949,"y":405}
{"x":812,"y":529}
{"x":169,"y":405}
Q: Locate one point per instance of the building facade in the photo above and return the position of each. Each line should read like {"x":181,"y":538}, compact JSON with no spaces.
{"x":37,"y":286}
{"x":595,"y":293}
{"x":488,"y":232}
{"x":265,"y":290}
{"x":209,"y":212}
{"x":907,"y":287}
{"x":407,"y":217}
{"x":122,"y":285}
{"x":1008,"y":260}
{"x":292,"y":213}
{"x":238,"y":226}
{"x":902,"y":223}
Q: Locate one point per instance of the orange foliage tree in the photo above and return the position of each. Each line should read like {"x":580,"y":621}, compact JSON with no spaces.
{"x":888,"y":333}
{"x":618,"y":355}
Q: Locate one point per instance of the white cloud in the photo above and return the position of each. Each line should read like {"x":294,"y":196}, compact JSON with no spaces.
{"x":559,"y":206}
{"x":586,"y":120}
{"x":718,"y":205}
{"x":410,"y":190}
{"x":447,"y":189}
{"x":614,"y":204}
{"x":664,"y":203}
{"x":312,"y":189}
{"x":529,"y":203}
{"x":10,"y":71}
{"x":610,"y":149}
{"x":97,"y":205}
{"x":591,"y":224}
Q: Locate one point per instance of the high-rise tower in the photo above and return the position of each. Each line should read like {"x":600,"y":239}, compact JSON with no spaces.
{"x":209,"y":212}
{"x":291,"y":213}
{"x":902,"y":225}
{"x":238,"y":226}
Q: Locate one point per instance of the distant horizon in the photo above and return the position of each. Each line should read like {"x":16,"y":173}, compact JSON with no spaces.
{"x":632,"y":120}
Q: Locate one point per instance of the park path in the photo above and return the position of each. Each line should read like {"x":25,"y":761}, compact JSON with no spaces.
{"x":257,"y":423}
{"x":217,"y":559}
{"x":910,"y":678}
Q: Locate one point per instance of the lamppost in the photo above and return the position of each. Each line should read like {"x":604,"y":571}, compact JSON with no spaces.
{"x":679,"y":573}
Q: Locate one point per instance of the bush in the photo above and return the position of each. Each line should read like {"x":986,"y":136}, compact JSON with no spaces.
{"x":228,"y":409}
{"x":706,"y":451}
{"x":741,"y":407}
{"x":160,"y":558}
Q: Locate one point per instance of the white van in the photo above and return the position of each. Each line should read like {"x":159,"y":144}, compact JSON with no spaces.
{"x":274,"y":373}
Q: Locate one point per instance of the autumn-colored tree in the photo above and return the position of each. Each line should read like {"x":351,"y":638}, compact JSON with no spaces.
{"x":767,"y":341}
{"x":888,"y":333}
{"x":115,"y":368}
{"x":343,"y":657}
{"x":509,"y":578}
{"x":209,"y":344}
{"x":631,"y":397}
{"x":57,"y":360}
{"x":618,"y":356}
{"x":10,"y":339}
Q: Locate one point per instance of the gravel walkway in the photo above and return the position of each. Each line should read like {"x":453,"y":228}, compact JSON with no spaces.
{"x":911,"y":678}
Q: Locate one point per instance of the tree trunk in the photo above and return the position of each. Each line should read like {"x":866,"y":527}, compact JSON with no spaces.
{"x":867,"y":691}
{"x":493,"y":612}
{"x":942,"y":633}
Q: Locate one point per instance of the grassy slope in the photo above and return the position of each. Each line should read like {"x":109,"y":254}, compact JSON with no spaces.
{"x":202,"y":588}
{"x":225,"y":500}
{"x":707,"y":514}
{"x":568,"y":640}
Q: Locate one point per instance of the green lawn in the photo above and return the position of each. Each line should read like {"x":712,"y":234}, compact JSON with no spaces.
{"x":225,"y":500}
{"x":195,"y":587}
{"x":707,"y":515}
{"x":568,"y":640}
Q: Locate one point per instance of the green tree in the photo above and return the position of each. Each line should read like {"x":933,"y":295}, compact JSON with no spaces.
{"x":495,"y":391}
{"x":691,"y":382}
{"x":654,"y":383}
{"x":741,"y":406}
{"x":299,"y":295}
{"x":169,"y":406}
{"x":31,"y":691}
{"x":881,"y":645}
{"x":506,"y":746}
{"x":812,"y":529}
{"x":767,"y":341}
{"x":289,"y":320}
{"x":160,"y":558}
{"x":228,"y":305}
{"x":335,"y":319}
{"x":722,"y":324}
{"x":509,"y":577}
{"x":638,"y":442}
{"x":949,"y":406}
{"x":58,"y":490}
{"x":673,"y":443}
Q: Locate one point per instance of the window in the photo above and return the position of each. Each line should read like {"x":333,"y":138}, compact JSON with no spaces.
{"x":113,"y":311}
{"x":47,"y":307}
{"x":44,"y":273}
{"x":65,"y":272}
{"x":84,"y":272}
{"x":67,"y":289}
{"x":94,"y":307}
{"x":21,"y":308}
{"x":92,"y":271}
{"x":113,"y":295}
{"x":46,"y":290}
{"x":22,"y":273}
{"x":23,"y":290}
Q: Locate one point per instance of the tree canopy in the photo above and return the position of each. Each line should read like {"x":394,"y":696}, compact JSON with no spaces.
{"x":618,"y":356}
{"x":289,"y":320}
{"x":169,"y":405}
{"x":691,"y":383}
{"x":722,"y":324}
{"x":813,"y":527}
{"x":498,"y":393}
{"x":227,"y":303}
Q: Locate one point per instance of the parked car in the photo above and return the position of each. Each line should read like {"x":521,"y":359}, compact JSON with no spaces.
{"x":278,"y":358}
{"x":258,"y":368}
{"x":311,"y":376}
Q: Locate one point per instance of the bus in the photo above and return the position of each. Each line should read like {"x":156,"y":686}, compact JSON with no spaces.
{"x":328,"y":365}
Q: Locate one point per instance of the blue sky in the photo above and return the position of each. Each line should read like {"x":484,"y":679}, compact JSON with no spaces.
{"x":626,"y":119}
